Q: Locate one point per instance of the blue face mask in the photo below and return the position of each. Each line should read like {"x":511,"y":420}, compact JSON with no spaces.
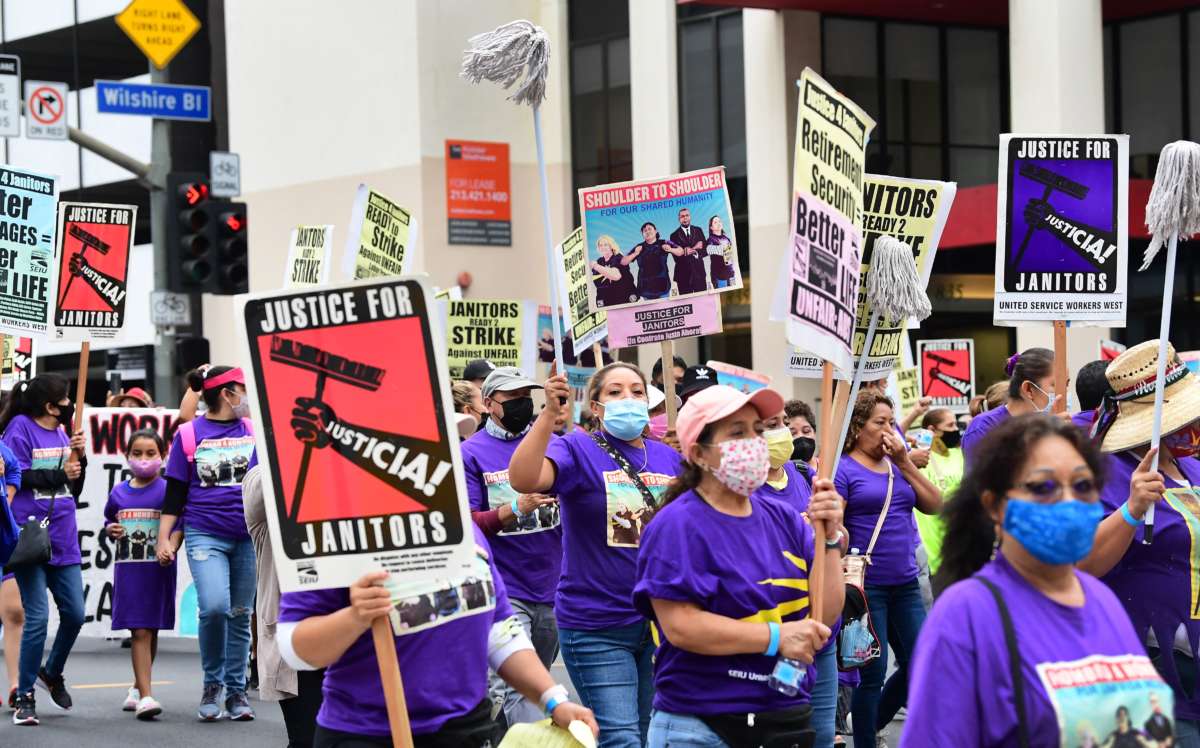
{"x":1059,"y":533}
{"x":626,"y":419}
{"x":1049,"y":400}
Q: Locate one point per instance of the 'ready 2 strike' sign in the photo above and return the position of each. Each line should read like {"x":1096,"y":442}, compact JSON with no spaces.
{"x":92,"y":257}
{"x":364,"y":469}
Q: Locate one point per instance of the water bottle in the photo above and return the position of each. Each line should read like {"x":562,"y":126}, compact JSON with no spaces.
{"x":787,"y":676}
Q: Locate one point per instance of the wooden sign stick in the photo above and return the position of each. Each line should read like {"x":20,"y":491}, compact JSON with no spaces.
{"x":393,"y":686}
{"x":85,"y":354}
{"x":1060,"y":366}
{"x":668,"y":369}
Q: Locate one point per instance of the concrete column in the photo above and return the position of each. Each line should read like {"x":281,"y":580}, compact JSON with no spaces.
{"x":1056,"y":70}
{"x":654,"y":89}
{"x":777,"y":46}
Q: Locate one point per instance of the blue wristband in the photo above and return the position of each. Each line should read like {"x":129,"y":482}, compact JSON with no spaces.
{"x":773,"y":647}
{"x":1129,"y":520}
{"x":554,"y":703}
{"x":516,"y":509}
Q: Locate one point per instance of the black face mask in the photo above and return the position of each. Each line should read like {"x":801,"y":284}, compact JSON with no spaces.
{"x":517,"y":414}
{"x":803,"y":448}
{"x":951,"y":439}
{"x":66,"y":415}
{"x":483,"y":420}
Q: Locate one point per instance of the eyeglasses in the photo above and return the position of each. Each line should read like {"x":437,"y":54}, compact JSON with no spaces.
{"x":1048,"y":489}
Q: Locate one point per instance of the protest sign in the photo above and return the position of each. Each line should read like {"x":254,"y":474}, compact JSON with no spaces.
{"x":577,"y":380}
{"x":355,"y":425}
{"x":27,"y":225}
{"x":585,"y":326}
{"x":664,"y":321}
{"x":92,"y":258}
{"x":738,"y":377}
{"x":1190,"y":359}
{"x":1088,"y":696}
{"x":1062,"y":229}
{"x":106,"y":433}
{"x":503,"y":331}
{"x":907,"y":388}
{"x":1110,"y":349}
{"x":380,"y":237}
{"x":913,"y":211}
{"x":947,"y":370}
{"x":17,"y":361}
{"x":655,"y":239}
{"x":310,"y":251}
{"x":825,"y":249}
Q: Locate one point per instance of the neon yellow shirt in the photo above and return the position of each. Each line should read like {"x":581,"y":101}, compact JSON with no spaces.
{"x":945,"y":472}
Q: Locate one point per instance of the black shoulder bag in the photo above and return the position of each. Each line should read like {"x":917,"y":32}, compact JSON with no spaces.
{"x":1014,"y":663}
{"x":33,"y":544}
{"x":623,"y":463}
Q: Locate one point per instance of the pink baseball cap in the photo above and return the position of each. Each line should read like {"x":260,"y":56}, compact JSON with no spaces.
{"x":713,"y":403}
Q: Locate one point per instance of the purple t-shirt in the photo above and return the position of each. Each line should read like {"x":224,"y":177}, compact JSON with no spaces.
{"x":893,"y":561}
{"x":603,"y":516}
{"x":38,"y":448}
{"x":1084,"y":420}
{"x":979,"y":427}
{"x":796,"y":493}
{"x":1078,"y":665}
{"x":444,"y":668}
{"x":224,"y":453}
{"x":747,"y":568}
{"x":143,"y":591}
{"x":1157,"y":582}
{"x":529,"y":553}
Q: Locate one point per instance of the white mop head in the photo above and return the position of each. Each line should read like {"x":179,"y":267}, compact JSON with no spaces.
{"x":893,"y":287}
{"x":1174,"y":205}
{"x":502,"y":55}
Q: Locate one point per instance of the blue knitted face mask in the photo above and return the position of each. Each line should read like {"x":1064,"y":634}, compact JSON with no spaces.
{"x":1058,"y":533}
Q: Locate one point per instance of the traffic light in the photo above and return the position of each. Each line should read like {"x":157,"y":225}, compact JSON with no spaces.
{"x":189,"y":231}
{"x":232,"y":272}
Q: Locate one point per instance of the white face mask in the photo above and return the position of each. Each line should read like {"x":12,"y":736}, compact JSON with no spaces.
{"x":242,"y":408}
{"x":1049,"y":400}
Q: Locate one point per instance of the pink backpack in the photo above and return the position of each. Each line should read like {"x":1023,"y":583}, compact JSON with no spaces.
{"x":187,"y":436}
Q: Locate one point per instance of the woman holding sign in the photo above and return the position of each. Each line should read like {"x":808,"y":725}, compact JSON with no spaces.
{"x":209,"y":457}
{"x":608,"y":485}
{"x":34,"y":424}
{"x":444,"y":666}
{"x":1155,"y":582}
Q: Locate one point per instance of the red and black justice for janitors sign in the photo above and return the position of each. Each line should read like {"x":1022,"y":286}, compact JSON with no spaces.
{"x":947,"y":370}
{"x":92,"y":269}
{"x":352,"y":398}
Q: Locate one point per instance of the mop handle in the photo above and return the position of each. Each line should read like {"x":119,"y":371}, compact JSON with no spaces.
{"x":1164,"y":329}
{"x":859,"y":371}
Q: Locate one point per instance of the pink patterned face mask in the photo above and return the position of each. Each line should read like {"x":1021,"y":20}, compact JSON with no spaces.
{"x":658,"y":427}
{"x":744,"y":464}
{"x":145,"y":468}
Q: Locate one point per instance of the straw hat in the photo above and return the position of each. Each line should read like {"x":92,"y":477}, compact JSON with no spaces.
{"x":1132,"y":378}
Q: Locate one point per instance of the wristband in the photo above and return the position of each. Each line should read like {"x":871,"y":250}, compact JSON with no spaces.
{"x":554,"y":697}
{"x":516,"y":509}
{"x":1129,"y":520}
{"x":773,"y":646}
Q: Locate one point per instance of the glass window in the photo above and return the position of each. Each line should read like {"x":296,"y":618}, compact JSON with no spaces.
{"x":587,"y":106}
{"x":698,"y":121}
{"x":732,"y":104}
{"x":852,"y":63}
{"x":1150,"y":84}
{"x":597,"y":19}
{"x":1193,"y":22}
{"x":974,"y":166}
{"x":913,"y":83}
{"x":973,"y":70}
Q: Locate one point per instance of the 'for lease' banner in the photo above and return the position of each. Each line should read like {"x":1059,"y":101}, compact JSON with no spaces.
{"x":1062,"y":229}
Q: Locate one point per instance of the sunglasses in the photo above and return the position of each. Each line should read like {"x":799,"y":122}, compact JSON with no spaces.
{"x":1048,"y":489}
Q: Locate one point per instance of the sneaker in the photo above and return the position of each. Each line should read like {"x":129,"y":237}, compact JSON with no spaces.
{"x":57,"y":688}
{"x":148,"y":708}
{"x":131,"y":700}
{"x":238,"y":707}
{"x":210,"y":703}
{"x":26,"y":713}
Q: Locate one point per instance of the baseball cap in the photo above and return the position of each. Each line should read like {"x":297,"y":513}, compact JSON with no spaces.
{"x":137,"y":393}
{"x":507,"y":379}
{"x":477,"y":369}
{"x":713,"y":403}
{"x":696,"y":378}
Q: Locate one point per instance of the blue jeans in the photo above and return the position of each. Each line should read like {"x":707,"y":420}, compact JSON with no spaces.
{"x":66,"y":585}
{"x":683,"y":730}
{"x":223,"y":570}
{"x":538,"y":621}
{"x":613,"y":672}
{"x":824,"y":698}
{"x":897,"y":612}
{"x":1187,"y":734}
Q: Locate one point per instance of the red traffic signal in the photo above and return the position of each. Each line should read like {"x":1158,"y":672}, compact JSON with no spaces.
{"x":233,"y":221}
{"x":193,"y":193}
